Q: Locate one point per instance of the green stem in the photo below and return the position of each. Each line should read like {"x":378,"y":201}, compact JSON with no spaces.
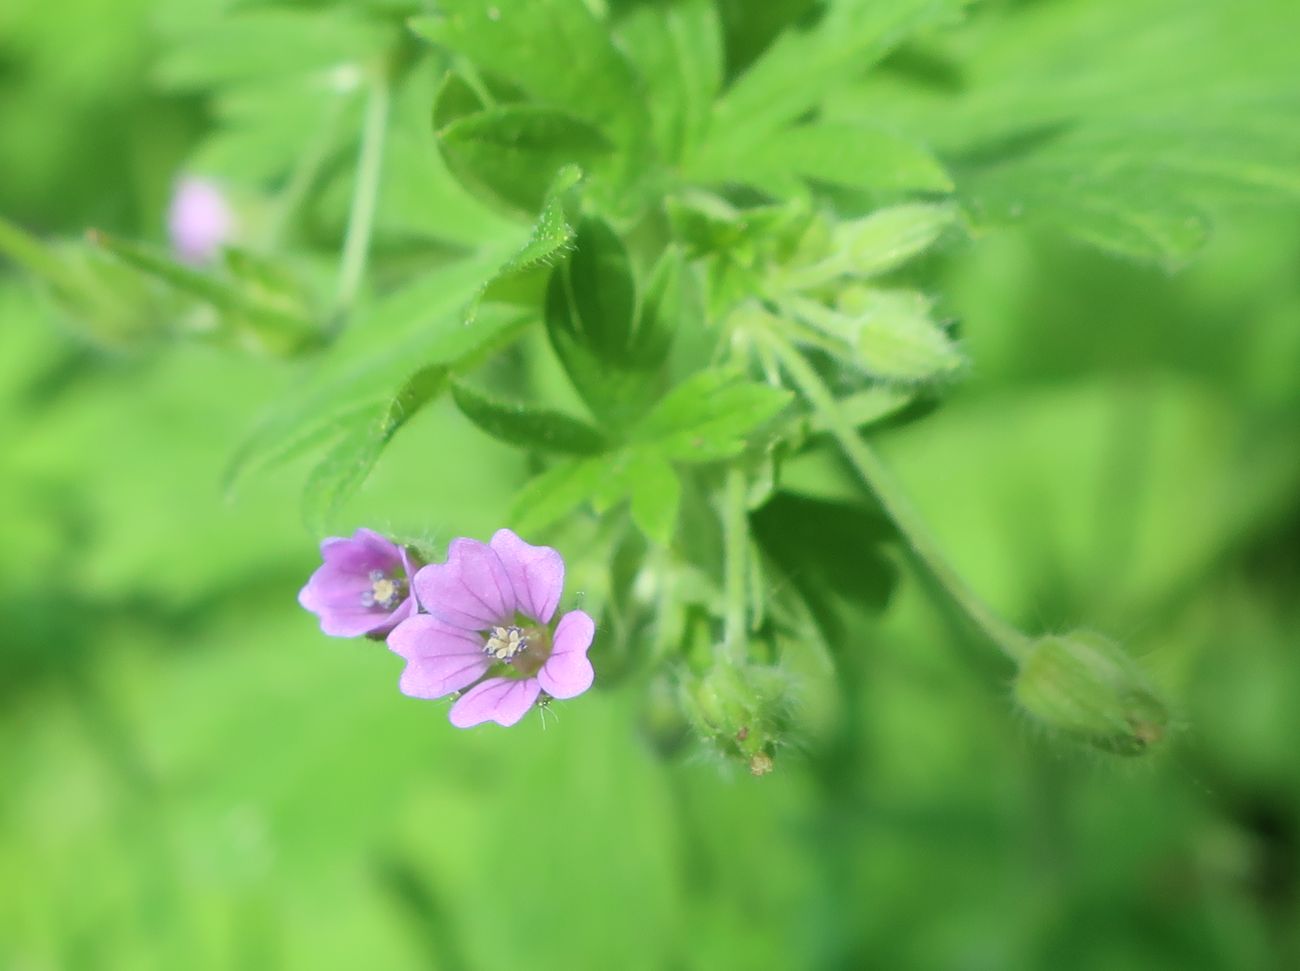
{"x":305,"y":171}
{"x":735,"y":538}
{"x":365,"y":195}
{"x":892,"y":498}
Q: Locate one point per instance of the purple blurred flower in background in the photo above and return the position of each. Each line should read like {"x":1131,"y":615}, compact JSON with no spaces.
{"x":199,"y":220}
{"x":363,"y":587}
{"x":489,"y":610}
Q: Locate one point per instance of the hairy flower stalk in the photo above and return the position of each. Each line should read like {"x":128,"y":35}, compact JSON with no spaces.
{"x":878,"y":480}
{"x":487,"y":632}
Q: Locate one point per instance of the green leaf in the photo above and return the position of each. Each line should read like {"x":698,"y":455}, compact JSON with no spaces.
{"x":709,"y":416}
{"x":556,"y":493}
{"x":656,"y":497}
{"x":677,"y":49}
{"x":592,"y":321}
{"x":802,"y":66}
{"x":510,"y":154}
{"x":555,"y":51}
{"x":1128,"y":149}
{"x":348,"y":464}
{"x":528,"y":427}
{"x":841,"y":154}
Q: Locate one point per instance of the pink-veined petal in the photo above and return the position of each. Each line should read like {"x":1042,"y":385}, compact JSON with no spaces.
{"x":440,"y":658}
{"x":471,"y":590}
{"x":536,"y":574}
{"x":501,"y":700}
{"x":567,"y":673}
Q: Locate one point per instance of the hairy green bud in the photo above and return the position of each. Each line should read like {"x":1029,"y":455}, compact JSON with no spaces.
{"x":743,"y":712}
{"x":1086,"y":686}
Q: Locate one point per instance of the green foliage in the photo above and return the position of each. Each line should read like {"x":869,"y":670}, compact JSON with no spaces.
{"x":770,"y":318}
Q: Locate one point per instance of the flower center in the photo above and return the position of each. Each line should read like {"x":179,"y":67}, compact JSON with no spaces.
{"x":504,"y":643}
{"x":524,"y":648}
{"x":385,"y":591}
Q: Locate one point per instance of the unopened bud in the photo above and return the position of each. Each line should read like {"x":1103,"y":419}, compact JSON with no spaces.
{"x":743,"y":712}
{"x":1086,"y":686}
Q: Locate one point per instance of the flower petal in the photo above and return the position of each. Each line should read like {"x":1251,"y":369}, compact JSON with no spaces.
{"x":536,"y":574}
{"x":501,"y":700}
{"x":336,"y":599}
{"x":440,"y":658}
{"x":567,"y":673}
{"x":471,"y":590}
{"x":366,"y":550}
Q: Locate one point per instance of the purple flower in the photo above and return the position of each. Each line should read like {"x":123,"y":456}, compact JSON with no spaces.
{"x":199,"y":220}
{"x":362,"y":587}
{"x":489,"y":612}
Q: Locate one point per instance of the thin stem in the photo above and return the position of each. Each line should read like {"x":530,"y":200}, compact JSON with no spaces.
{"x":735,"y":539}
{"x":877,"y":477}
{"x":305,"y":171}
{"x":365,"y":195}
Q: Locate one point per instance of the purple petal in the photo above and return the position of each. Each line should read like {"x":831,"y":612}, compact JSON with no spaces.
{"x":536,"y":574}
{"x":501,"y":700}
{"x":567,"y":673}
{"x":336,"y":600}
{"x":440,"y":659}
{"x":471,"y":590}
{"x":365,"y":551}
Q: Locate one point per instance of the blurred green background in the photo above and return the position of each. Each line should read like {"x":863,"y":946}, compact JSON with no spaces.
{"x":194,"y":777}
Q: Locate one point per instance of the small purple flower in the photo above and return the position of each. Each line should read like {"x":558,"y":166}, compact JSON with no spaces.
{"x":489,"y":612}
{"x":199,"y":220}
{"x":362,"y":587}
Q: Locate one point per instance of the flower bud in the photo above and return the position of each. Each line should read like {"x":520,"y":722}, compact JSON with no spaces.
{"x":742,"y":712}
{"x":1086,"y":686}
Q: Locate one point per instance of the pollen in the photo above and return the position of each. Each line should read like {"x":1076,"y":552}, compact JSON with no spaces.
{"x":385,"y":591}
{"x":504,"y":643}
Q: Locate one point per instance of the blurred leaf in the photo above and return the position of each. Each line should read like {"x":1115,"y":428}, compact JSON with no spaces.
{"x":557,"y":52}
{"x":656,"y":495}
{"x":591,"y":317}
{"x":676,"y":48}
{"x":847,"y":155}
{"x":527,"y":427}
{"x":510,"y":154}
{"x":556,"y":493}
{"x":440,"y":319}
{"x":850,"y":36}
{"x":261,"y":315}
{"x":245,"y":45}
{"x":708,"y":417}
{"x":1177,"y":109}
{"x":348,"y":464}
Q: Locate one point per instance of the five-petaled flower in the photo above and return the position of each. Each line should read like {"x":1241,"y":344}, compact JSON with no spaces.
{"x":362,"y":587}
{"x":488,"y":625}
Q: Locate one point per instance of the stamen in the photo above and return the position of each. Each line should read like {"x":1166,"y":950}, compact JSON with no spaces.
{"x":505,"y":642}
{"x":385,"y":591}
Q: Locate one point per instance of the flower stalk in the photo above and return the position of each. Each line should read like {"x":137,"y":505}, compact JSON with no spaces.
{"x":877,"y":478}
{"x":365,"y":195}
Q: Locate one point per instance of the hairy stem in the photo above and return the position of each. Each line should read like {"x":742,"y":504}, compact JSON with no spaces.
{"x":878,"y":479}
